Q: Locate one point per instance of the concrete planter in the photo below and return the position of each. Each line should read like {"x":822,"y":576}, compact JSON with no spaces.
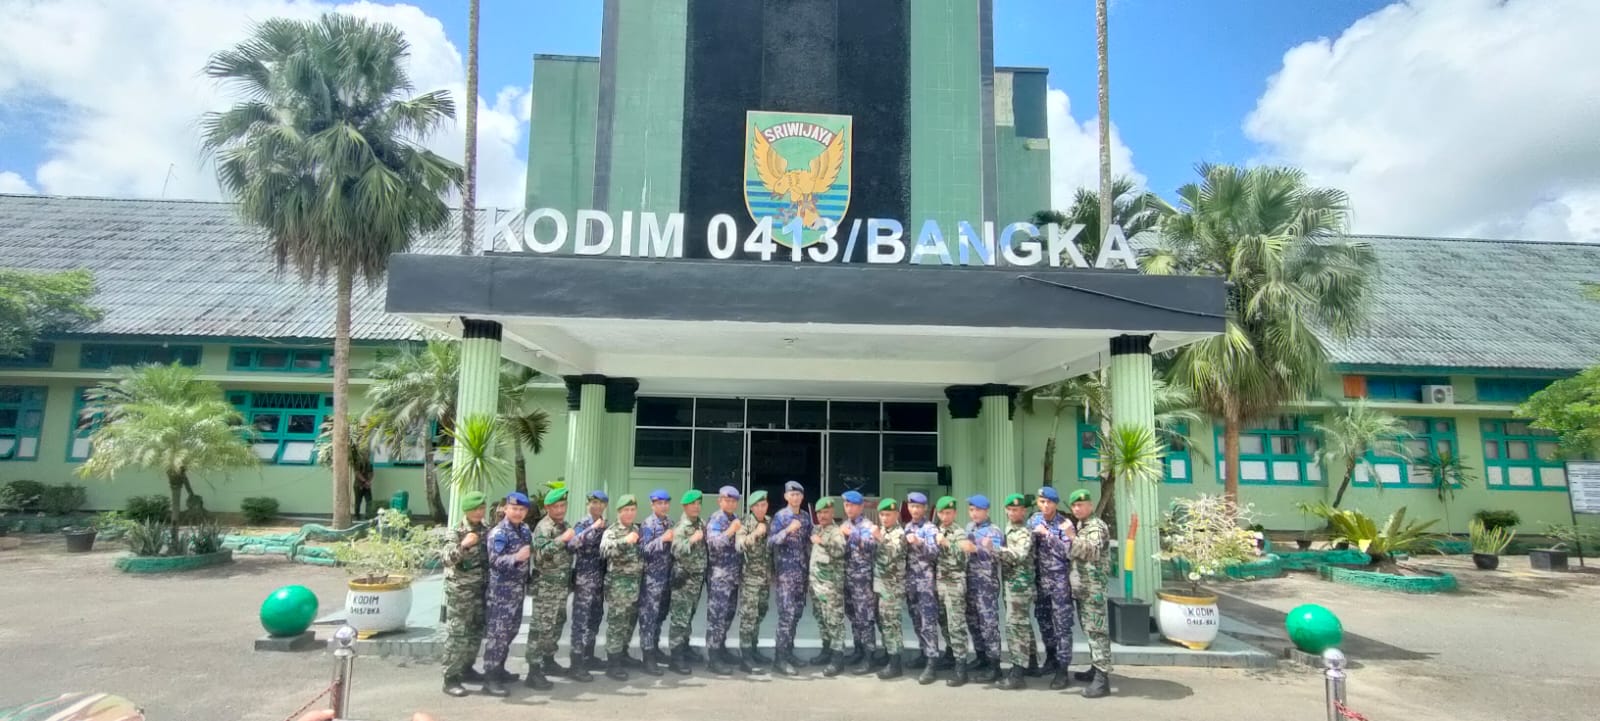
{"x":1547,"y":559}
{"x":1187,"y":619}
{"x":374,"y":607}
{"x":80,"y":541}
{"x":170,"y":564}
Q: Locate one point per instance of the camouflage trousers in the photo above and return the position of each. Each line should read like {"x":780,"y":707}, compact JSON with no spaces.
{"x":791,"y":591}
{"x":654,"y":601}
{"x":1096,"y":625}
{"x":722,"y":596}
{"x":503,"y":618}
{"x":1053,"y":608}
{"x":587,"y":606}
{"x":754,"y":591}
{"x":983,"y":618}
{"x":827,"y":598}
{"x":686,"y":589}
{"x":953,"y":601}
{"x":861,"y":608}
{"x":622,"y":612}
{"x":891,"y":603}
{"x":465,"y":624}
{"x":1019,"y":626}
{"x":549,"y":617}
{"x":925,"y":609}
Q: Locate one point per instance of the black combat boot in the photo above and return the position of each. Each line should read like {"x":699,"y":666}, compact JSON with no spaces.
{"x":947,"y":660}
{"x":714,"y":664}
{"x":1033,"y":663}
{"x":958,"y":677}
{"x":471,"y":675}
{"x":578,"y":668}
{"x":1100,"y":686}
{"x":1014,"y":679}
{"x":1061,"y":680}
{"x":493,"y":686}
{"x":549,"y":667}
{"x":691,"y":654}
{"x":990,"y":672}
{"x":591,"y":663}
{"x":1051,"y":663}
{"x":616,"y":669}
{"x":679,"y":662}
{"x":895,"y":668}
{"x":628,"y":661}
{"x":755,"y":655}
{"x":869,"y":662}
{"x":854,"y":657}
{"x":1084,"y":675}
{"x":502,"y":674}
{"x":453,"y":687}
{"x":650,"y":664}
{"x":918,"y":661}
{"x":743,"y":660}
{"x":536,"y":680}
{"x":657,"y":656}
{"x":930,"y":672}
{"x":835,"y":665}
{"x":822,"y":658}
{"x":785,"y":662}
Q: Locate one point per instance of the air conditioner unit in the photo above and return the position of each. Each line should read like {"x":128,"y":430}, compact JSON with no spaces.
{"x":1438,"y":394}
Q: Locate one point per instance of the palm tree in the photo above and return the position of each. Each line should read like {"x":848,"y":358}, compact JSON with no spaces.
{"x":1357,"y":434}
{"x":360,"y":451}
{"x":1134,"y":209}
{"x":469,"y":192}
{"x":164,"y":419}
{"x":525,"y":428}
{"x":1102,"y":35}
{"x":1273,"y":239}
{"x":322,"y":154}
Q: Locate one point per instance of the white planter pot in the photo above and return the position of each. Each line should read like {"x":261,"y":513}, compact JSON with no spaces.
{"x":373,"y":608}
{"x":1191,"y":621}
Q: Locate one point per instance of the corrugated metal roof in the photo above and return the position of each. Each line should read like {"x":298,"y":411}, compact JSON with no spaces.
{"x":189,"y":268}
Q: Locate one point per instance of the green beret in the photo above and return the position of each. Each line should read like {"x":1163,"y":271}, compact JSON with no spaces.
{"x":556,"y":495}
{"x":1078,"y":495}
{"x":473,"y":499}
{"x":1016,"y":499}
{"x":945,"y":502}
{"x":626,"y":500}
{"x":888,"y":504}
{"x":758,"y":497}
{"x":824,"y":502}
{"x":690,"y":496}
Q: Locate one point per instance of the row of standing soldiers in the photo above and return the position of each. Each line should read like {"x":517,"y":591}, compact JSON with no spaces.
{"x":952,"y":579}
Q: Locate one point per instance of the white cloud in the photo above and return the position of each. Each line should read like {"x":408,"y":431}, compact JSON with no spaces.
{"x":12,"y":183}
{"x":129,"y":74}
{"x":1449,"y":117}
{"x":1075,"y":152}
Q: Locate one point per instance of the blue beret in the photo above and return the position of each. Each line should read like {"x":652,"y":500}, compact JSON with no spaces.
{"x":979,"y":501}
{"x":728,"y":492}
{"x":853,"y":497}
{"x":793,"y":486}
{"x":660,"y":494}
{"x":1048,"y":493}
{"x":518,"y":499}
{"x":915,"y":497}
{"x":599,"y":495}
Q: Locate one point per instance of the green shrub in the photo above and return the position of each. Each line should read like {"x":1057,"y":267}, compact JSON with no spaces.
{"x":147,"y":538}
{"x":25,"y":496}
{"x":259,"y":511}
{"x":1498,"y":519}
{"x":205,"y":538}
{"x":64,"y":499}
{"x":144,"y":509}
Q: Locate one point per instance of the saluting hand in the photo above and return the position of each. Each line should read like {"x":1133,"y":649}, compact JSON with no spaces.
{"x":1067,"y":528}
{"x":968,"y":547}
{"x":988,"y":541}
{"x":761,"y":527}
{"x":565,"y":536}
{"x":816,"y":539}
{"x":469,"y":541}
{"x":523,"y":553}
{"x":667,"y":537}
{"x":600,"y":524}
{"x":794,"y":525}
{"x":1041,"y":529}
{"x":632,"y":538}
{"x":943,"y":542}
{"x":877,"y":533}
{"x":697,"y":536}
{"x":734,"y":527}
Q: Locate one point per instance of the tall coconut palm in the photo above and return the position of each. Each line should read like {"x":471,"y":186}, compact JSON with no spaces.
{"x":1358,"y":433}
{"x":322,"y":154}
{"x":469,"y":191}
{"x":1273,"y":238}
{"x":164,"y":419}
{"x":1102,"y":36}
{"x":1133,"y":209}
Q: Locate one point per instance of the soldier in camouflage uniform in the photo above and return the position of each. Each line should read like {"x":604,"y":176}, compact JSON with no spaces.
{"x":509,"y":554}
{"x":625,"y":566}
{"x":588,"y":583}
{"x":688,"y":578}
{"x":1016,"y":576}
{"x":983,"y":589}
{"x":755,"y":585}
{"x":861,"y":606}
{"x":466,"y":577}
{"x":828,"y":584}
{"x":1053,"y":605}
{"x":922,"y":550}
{"x":790,"y":537}
{"x":655,"y":542}
{"x":1089,"y":549}
{"x":889,"y":585}
{"x":950,"y":584}
{"x":722,"y":581}
{"x":552,"y":583}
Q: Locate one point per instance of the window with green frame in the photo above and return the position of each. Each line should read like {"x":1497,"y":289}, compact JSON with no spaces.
{"x":1517,"y":456}
{"x":110,"y":355}
{"x":410,"y":452}
{"x":1179,"y":469}
{"x":1281,"y":451}
{"x":1430,"y":437}
{"x":286,"y":424}
{"x":38,"y":355}
{"x":21,"y":422}
{"x":81,"y":429}
{"x":280,"y":360}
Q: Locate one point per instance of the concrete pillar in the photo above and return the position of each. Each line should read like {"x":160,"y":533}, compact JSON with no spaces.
{"x":964,"y":450}
{"x":1000,"y":436}
{"x":1133,"y":403}
{"x":621,"y":394}
{"x":477,"y":384}
{"x":586,"y":405}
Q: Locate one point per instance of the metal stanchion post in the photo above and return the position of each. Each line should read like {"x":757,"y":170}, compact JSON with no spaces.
{"x":1334,"y":660}
{"x":344,"y":655}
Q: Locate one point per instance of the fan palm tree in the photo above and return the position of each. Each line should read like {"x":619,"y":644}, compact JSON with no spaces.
{"x":322,"y":153}
{"x":1134,"y":209}
{"x":1273,"y":238}
{"x":164,"y":419}
{"x":469,"y":191}
{"x":1357,"y":434}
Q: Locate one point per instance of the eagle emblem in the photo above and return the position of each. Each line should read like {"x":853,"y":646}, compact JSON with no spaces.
{"x":797,"y":168}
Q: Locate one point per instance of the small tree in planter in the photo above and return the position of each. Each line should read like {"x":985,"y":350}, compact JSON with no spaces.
{"x":1207,"y":535}
{"x":1447,"y":473}
{"x":382,"y":565}
{"x":1488,"y":544}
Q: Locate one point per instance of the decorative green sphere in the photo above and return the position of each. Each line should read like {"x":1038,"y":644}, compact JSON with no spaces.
{"x":1313,"y":628}
{"x":289,"y":611}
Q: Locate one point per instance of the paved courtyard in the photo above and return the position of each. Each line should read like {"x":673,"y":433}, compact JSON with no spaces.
{"x":1521,"y":646}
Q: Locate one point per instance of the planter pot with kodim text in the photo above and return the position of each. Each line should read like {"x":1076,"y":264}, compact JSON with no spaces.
{"x":79,"y":540}
{"x":1189,"y":618}
{"x":1486,"y":561}
{"x":378,"y":605}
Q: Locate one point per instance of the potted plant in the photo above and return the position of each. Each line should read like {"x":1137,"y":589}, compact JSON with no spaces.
{"x":1303,"y":541}
{"x":1488,"y":544}
{"x":1567,"y":535}
{"x":1207,"y":535}
{"x":80,"y":539}
{"x":383,"y":564}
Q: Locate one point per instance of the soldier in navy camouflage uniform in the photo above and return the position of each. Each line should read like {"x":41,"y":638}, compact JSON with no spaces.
{"x":790,"y":537}
{"x":724,"y":564}
{"x":922,"y":550}
{"x":755,"y":586}
{"x":861,"y":604}
{"x":620,"y":547}
{"x":588,"y":582}
{"x":466,"y":578}
{"x":655,"y":544}
{"x":1053,"y":605}
{"x":983,"y":589}
{"x":688,"y":578}
{"x":509,"y":554}
{"x":889,"y":585}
